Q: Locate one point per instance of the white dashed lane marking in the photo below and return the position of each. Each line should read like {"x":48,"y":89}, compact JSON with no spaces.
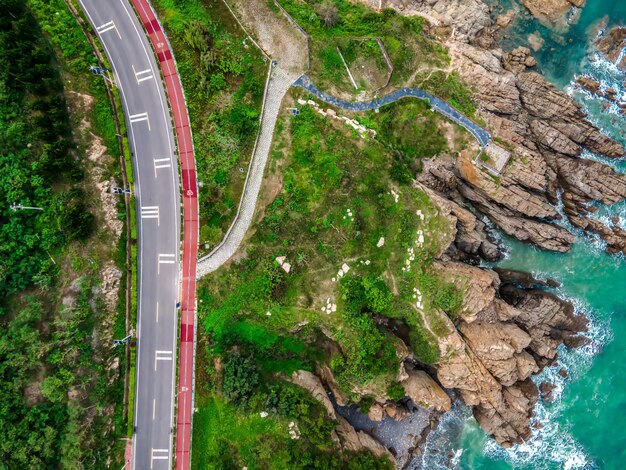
{"x":165,"y":259}
{"x":150,"y":212}
{"x":143,"y":75}
{"x":159,"y":454}
{"x":162,"y":356}
{"x":161,"y":163}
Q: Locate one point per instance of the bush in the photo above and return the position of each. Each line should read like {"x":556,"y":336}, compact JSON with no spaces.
{"x":241,"y":376}
{"x":396,"y":392}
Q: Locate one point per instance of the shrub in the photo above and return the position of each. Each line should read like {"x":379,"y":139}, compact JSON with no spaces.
{"x":241,"y":376}
{"x":396,"y":392}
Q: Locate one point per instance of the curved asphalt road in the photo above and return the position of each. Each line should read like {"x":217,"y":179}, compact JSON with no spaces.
{"x":157,"y":194}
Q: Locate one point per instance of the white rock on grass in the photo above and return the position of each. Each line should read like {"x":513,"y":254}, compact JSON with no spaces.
{"x":264,"y":414}
{"x":345,"y":268}
{"x":269,"y":314}
{"x":294,"y":432}
{"x":281,"y":259}
{"x":286,"y":267}
{"x":381,"y":242}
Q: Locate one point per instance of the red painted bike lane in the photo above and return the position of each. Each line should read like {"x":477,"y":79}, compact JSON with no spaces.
{"x":178,"y":108}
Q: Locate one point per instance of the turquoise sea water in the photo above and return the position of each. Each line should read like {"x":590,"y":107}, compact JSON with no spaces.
{"x":585,"y":427}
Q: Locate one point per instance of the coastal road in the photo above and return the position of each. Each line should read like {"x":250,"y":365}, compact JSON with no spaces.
{"x":186,"y":154}
{"x":151,"y":140}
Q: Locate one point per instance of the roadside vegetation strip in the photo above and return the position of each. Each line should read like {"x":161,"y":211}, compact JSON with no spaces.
{"x":222,"y":73}
{"x":126,"y":167}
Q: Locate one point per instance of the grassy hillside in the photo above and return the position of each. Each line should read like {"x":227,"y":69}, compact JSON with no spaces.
{"x":419,"y":60}
{"x":330,"y":197}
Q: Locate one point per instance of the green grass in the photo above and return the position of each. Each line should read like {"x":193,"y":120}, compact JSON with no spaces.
{"x":325,"y":170}
{"x":408,"y":44}
{"x":219,"y":426}
{"x":449,"y":87}
{"x":131,"y":392}
{"x":225,"y":436}
{"x":504,"y":143}
{"x":326,"y":174}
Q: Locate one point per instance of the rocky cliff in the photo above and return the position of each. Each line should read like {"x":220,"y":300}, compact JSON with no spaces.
{"x":545,"y":129}
{"x":509,"y":329}
{"x":511,"y":326}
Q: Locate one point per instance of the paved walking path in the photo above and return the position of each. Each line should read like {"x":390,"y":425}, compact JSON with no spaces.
{"x":278,"y":86}
{"x":482,"y":136}
{"x":279,"y":83}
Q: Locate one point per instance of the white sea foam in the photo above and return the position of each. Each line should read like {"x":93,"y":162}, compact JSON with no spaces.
{"x":552,"y":443}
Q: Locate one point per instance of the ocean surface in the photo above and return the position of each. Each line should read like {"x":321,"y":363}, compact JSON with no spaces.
{"x":585,"y":427}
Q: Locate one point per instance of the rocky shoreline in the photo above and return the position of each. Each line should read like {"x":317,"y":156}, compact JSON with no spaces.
{"x":511,"y":325}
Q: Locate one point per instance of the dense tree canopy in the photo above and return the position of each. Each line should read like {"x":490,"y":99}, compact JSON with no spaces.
{"x":49,"y":381}
{"x":37,"y":166}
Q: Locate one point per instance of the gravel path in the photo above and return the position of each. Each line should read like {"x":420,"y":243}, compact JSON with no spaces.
{"x":279,"y":83}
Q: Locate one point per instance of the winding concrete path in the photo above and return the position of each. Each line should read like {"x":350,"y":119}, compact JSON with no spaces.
{"x":437,"y":104}
{"x":279,"y":83}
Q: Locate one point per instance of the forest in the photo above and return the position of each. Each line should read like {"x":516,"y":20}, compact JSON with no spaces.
{"x":37,"y":166}
{"x":53,"y":390}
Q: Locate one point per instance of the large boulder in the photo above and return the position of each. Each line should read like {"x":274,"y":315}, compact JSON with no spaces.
{"x":501,"y":348}
{"x":425,"y":392}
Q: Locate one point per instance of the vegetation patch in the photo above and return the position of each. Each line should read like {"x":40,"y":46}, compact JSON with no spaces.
{"x":419,"y":60}
{"x":363,"y":58}
{"x":230,"y":437}
{"x":61,"y":400}
{"x":357,"y":242}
